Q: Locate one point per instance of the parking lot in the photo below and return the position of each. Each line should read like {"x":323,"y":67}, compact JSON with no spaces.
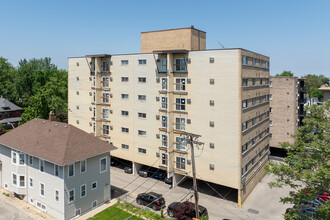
{"x":261,"y":204}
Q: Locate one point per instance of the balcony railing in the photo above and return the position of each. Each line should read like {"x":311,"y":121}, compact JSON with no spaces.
{"x":302,"y":88}
{"x":301,"y":113}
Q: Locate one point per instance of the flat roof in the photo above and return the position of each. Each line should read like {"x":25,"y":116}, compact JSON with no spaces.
{"x":173,"y":29}
{"x":324,"y":88}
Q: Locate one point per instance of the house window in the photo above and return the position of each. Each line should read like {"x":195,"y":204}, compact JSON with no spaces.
{"x":94,"y":204}
{"x":42,"y":165}
{"x":180,"y":124}
{"x":105,"y":113}
{"x":105,"y":97}
{"x":31,"y":182}
{"x":71,"y":170}
{"x":254,"y":62}
{"x":142,"y":79}
{"x":71,"y":195}
{"x":180,"y":104}
{"x":21,"y":159}
{"x":142,"y":133}
{"x":164,"y":102}
{"x":14,"y":179}
{"x":142,"y":115}
{"x":56,"y":170}
{"x":83,"y":190}
{"x":124,"y":113}
{"x":163,"y":65}
{"x":142,"y":61}
{"x":142,"y":97}
{"x":244,"y":60}
{"x":180,"y":163}
{"x":125,"y":146}
{"x":83,"y":166}
{"x":14,"y":157}
{"x":30,"y":160}
{"x":105,"y":82}
{"x":42,"y":189}
{"x":105,"y":130}
{"x":244,"y":104}
{"x":244,"y":82}
{"x":244,"y":126}
{"x":180,"y":143}
{"x":180,"y":64}
{"x":164,"y":83}
{"x":57,"y":195}
{"x":142,"y":150}
{"x":164,"y":140}
{"x":124,"y":79}
{"x":244,"y":147}
{"x":164,"y":159}
{"x":164,"y":121}
{"x":94,"y":185}
{"x":124,"y":62}
{"x":124,"y":96}
{"x":103,"y":165}
{"x":125,"y":130}
{"x":180,"y":84}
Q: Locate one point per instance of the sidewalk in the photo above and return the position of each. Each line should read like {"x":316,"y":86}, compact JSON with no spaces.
{"x":97,"y":210}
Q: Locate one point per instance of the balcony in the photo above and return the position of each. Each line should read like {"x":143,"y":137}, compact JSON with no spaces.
{"x":301,"y":113}
{"x":302,"y":100}
{"x":302,"y":89}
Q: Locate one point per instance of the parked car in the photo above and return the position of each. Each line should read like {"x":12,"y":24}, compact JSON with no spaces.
{"x":128,"y":170}
{"x":146,"y":171}
{"x":168,"y":180}
{"x":160,"y":175}
{"x":171,"y":209}
{"x":151,"y":199}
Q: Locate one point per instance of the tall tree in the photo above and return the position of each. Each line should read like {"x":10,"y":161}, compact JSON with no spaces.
{"x":285,"y":73}
{"x":312,"y":82}
{"x":307,"y":169}
{"x":7,"y":76}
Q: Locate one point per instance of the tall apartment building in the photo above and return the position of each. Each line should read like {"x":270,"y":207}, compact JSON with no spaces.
{"x":143,"y":102}
{"x":286,"y":108}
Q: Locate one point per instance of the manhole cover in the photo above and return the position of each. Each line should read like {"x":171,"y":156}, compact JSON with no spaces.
{"x":253,"y":211}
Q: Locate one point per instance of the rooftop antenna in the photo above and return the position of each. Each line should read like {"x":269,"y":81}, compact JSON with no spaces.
{"x":222,"y":47}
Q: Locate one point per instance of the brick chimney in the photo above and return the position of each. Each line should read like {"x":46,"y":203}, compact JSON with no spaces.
{"x":51,"y":116}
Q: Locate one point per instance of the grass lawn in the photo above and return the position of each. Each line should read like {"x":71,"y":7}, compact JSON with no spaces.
{"x":113,"y":210}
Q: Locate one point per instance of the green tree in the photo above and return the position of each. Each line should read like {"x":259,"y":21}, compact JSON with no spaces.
{"x":7,"y":76}
{"x":285,"y":73}
{"x":312,"y":82}
{"x":306,"y":167}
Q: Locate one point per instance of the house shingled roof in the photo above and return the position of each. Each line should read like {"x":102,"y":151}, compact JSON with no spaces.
{"x":53,"y":141}
{"x":4,"y":103}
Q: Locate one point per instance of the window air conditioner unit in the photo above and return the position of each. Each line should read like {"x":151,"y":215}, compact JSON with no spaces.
{"x":189,"y":162}
{"x":188,"y":81}
{"x":157,"y":136}
{"x":157,"y":154}
{"x":157,"y":99}
{"x":157,"y":117}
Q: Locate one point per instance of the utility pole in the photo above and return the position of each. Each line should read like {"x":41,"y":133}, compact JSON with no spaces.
{"x":192,"y":139}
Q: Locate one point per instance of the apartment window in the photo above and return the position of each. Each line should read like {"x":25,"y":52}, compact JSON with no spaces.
{"x":142,"y":97}
{"x":270,"y":136}
{"x":57,"y":195}
{"x":142,"y":133}
{"x":105,"y":113}
{"x":94,"y":127}
{"x":270,"y":123}
{"x":142,"y":150}
{"x":94,"y":185}
{"x":180,"y":84}
{"x":30,"y":160}
{"x":180,"y":64}
{"x":124,"y":79}
{"x":244,"y":126}
{"x":124,"y":62}
{"x":253,"y":121}
{"x":244,"y":60}
{"x":164,"y":83}
{"x":260,"y":81}
{"x":105,"y":97}
{"x":164,"y":140}
{"x":267,"y":114}
{"x":142,"y":61}
{"x":56,"y":170}
{"x":244,"y":147}
{"x":254,"y":62}
{"x":83,"y":191}
{"x":94,"y":97}
{"x":270,"y":83}
{"x":125,"y":146}
{"x":244,"y":169}
{"x":83,"y":164}
{"x":244,"y":104}
{"x":105,"y":66}
{"x":142,"y":79}
{"x":103,"y":165}
{"x":180,"y":163}
{"x":71,"y":170}
{"x":124,"y":96}
{"x":105,"y":130}
{"x":254,"y":100}
{"x":164,"y":102}
{"x":14,"y":179}
{"x":244,"y":82}
{"x":253,"y":161}
{"x":266,"y":97}
{"x":71,"y":195}
{"x":42,"y":165}
{"x":94,"y":112}
{"x":253,"y":82}
{"x":270,"y":97}
{"x":253,"y":141}
{"x":260,"y":63}
{"x":42,"y":189}
{"x":180,"y":104}
{"x":31,"y":182}
{"x":94,"y":81}
{"x":267,"y":65}
{"x":142,"y":115}
{"x":105,"y":82}
{"x":164,"y":121}
{"x":124,"y":113}
{"x":164,"y":159}
{"x":180,"y":143}
{"x":180,"y":124}
{"x":93,"y":66}
{"x":163,"y":65}
{"x":125,"y":130}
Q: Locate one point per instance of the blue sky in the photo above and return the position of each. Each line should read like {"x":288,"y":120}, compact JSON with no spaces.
{"x":294,"y":33}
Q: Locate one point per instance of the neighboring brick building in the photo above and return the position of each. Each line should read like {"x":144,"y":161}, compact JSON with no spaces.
{"x":10,"y":114}
{"x":286,"y":108}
